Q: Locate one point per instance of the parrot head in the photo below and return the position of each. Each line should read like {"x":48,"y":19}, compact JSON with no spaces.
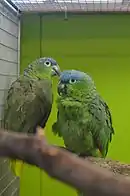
{"x":75,"y":85}
{"x":45,"y":67}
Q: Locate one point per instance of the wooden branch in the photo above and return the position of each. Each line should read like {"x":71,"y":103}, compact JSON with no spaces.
{"x":67,"y":167}
{"x":116,"y":167}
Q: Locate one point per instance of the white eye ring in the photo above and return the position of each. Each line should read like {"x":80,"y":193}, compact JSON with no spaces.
{"x":47,"y":63}
{"x":72,"y":81}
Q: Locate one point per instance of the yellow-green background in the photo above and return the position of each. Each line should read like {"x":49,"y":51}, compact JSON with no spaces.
{"x":95,"y":43}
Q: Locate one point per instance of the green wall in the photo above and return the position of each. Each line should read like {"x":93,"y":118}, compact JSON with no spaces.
{"x":97,"y":44}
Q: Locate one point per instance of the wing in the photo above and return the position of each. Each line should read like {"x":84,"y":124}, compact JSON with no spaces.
{"x":28,"y":105}
{"x":56,"y":127}
{"x":102,"y":128}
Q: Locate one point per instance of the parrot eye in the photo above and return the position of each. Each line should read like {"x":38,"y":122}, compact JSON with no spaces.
{"x":72,"y":81}
{"x":47,"y":63}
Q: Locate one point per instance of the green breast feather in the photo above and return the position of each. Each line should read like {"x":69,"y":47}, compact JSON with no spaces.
{"x":28,"y":104}
{"x":83,"y":127}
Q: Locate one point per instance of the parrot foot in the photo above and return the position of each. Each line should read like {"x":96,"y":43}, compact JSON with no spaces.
{"x":84,"y":155}
{"x":66,"y":149}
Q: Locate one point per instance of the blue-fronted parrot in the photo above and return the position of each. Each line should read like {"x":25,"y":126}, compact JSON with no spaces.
{"x":84,"y":120}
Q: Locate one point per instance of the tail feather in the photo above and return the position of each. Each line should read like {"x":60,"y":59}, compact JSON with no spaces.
{"x":41,"y":182}
{"x":17,"y":167}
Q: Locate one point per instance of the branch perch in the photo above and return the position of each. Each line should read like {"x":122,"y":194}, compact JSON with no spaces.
{"x":86,"y":175}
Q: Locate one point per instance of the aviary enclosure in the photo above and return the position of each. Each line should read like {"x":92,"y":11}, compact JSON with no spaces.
{"x":95,"y":38}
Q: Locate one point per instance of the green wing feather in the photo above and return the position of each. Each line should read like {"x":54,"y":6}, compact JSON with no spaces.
{"x":102,"y":136}
{"x":101,"y":116}
{"x":28,"y":104}
{"x":57,"y":126}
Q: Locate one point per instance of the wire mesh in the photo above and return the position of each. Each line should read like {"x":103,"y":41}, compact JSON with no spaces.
{"x":72,"y":5}
{"x":9,"y":184}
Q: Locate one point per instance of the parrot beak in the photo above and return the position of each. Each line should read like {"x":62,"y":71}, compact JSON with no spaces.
{"x":62,"y":89}
{"x":56,"y":70}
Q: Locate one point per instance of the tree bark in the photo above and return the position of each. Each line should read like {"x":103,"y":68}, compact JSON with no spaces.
{"x":88,"y":175}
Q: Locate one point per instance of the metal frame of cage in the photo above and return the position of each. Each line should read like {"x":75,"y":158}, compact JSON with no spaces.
{"x":72,"y":5}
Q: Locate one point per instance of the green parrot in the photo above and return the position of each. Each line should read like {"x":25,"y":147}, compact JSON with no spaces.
{"x":83,"y":120}
{"x":29,"y":100}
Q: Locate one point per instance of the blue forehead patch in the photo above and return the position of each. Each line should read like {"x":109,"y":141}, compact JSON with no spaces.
{"x":72,"y":74}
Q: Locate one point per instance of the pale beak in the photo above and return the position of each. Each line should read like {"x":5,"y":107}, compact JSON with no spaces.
{"x":56,"y":70}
